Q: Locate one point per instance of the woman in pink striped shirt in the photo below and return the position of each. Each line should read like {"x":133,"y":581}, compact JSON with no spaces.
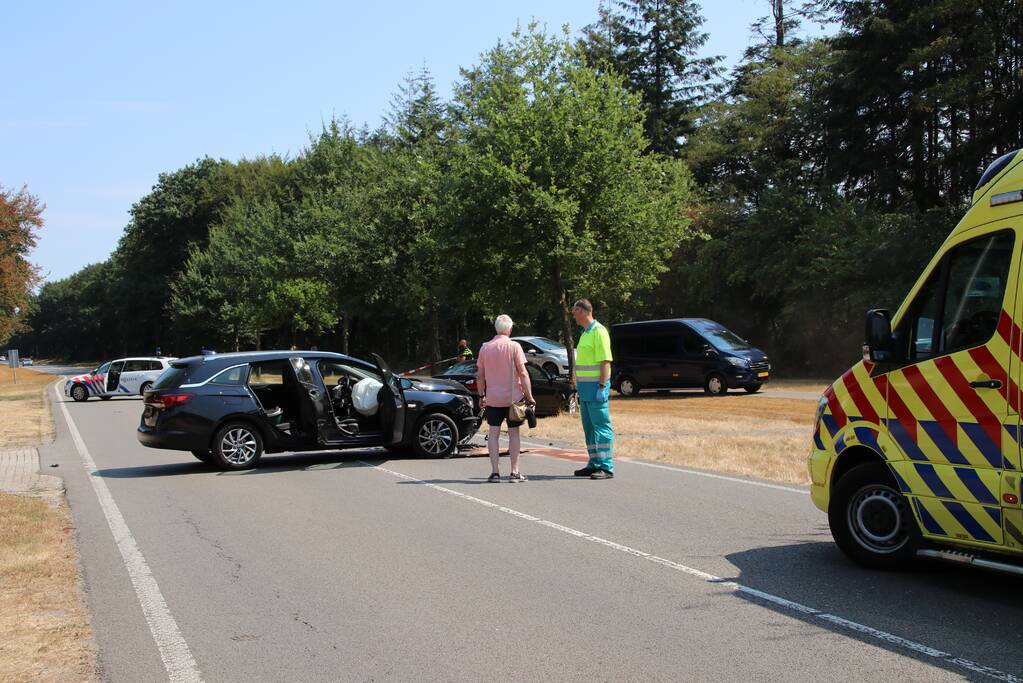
{"x":502,"y":379}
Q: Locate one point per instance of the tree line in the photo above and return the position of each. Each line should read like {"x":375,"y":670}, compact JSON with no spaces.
{"x":782,"y":198}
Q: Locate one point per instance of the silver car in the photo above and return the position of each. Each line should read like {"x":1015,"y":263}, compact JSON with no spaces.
{"x":547,"y":353}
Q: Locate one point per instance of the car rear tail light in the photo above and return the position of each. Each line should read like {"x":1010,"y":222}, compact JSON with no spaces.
{"x":471,"y":385}
{"x":171,"y":400}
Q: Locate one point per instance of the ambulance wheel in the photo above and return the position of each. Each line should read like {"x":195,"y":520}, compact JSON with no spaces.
{"x":753,"y":388}
{"x":871,"y":520}
{"x":237,"y":446}
{"x":105,"y":398}
{"x":627,"y":387}
{"x":436,"y":436}
{"x":79,"y":393}
{"x":716,"y":385}
{"x":144,"y":388}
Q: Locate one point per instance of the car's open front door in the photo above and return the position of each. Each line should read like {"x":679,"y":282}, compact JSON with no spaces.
{"x":314,"y":417}
{"x":392,"y":405}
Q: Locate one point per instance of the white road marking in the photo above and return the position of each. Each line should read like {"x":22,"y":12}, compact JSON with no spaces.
{"x":861,"y":629}
{"x":683,"y":470}
{"x":174,"y":652}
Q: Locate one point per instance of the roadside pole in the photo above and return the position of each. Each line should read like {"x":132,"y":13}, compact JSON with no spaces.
{"x":12,"y":360}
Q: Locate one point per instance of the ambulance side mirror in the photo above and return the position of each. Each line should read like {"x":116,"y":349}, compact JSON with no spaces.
{"x":879,"y":346}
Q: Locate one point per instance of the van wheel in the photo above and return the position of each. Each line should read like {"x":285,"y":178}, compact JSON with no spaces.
{"x":753,"y":388}
{"x":716,"y":385}
{"x":204,"y":456}
{"x":237,"y":446}
{"x":79,"y":393}
{"x":871,"y":520}
{"x":627,"y":387}
{"x":144,"y":388}
{"x":436,"y":436}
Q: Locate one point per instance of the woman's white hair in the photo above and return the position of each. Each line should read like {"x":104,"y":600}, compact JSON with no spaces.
{"x":503,"y":324}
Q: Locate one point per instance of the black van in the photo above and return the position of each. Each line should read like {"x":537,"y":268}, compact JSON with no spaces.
{"x":684,"y":353}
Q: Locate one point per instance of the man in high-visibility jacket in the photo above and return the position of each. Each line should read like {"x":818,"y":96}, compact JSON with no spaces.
{"x":464,"y":352}
{"x":593,"y":382}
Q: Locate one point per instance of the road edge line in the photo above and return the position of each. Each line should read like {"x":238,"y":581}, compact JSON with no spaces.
{"x":177,"y":658}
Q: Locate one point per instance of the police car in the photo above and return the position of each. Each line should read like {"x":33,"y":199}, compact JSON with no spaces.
{"x":122,"y":377}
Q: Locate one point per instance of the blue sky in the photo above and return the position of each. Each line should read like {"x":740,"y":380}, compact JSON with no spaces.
{"x":102,"y":97}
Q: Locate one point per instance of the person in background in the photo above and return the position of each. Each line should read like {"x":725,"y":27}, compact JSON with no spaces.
{"x":593,"y":382}
{"x":464,"y":352}
{"x":502,"y":379}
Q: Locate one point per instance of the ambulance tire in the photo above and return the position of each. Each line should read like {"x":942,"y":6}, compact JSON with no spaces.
{"x":716,"y":384}
{"x":871,"y":520}
{"x":79,"y":393}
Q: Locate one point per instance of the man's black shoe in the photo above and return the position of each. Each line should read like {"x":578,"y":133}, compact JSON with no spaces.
{"x":585,"y":472}
{"x":602,"y":474}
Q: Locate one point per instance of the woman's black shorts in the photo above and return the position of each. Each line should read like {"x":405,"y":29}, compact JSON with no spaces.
{"x":495,"y":416}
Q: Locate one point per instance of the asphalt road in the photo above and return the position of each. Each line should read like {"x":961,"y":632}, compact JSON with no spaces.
{"x":357,"y":566}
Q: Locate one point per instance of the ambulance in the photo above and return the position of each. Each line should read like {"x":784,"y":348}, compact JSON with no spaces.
{"x":121,"y":377}
{"x":916,"y":449}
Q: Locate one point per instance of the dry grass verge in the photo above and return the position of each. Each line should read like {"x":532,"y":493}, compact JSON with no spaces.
{"x":44,"y":627}
{"x":24,"y":418}
{"x":756,"y":436}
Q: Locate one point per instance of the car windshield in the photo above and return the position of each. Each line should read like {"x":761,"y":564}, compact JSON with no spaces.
{"x":724,"y":339}
{"x":103,"y":368}
{"x":467,"y":368}
{"x":547,"y":344}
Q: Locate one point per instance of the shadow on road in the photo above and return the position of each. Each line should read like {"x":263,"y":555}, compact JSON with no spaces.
{"x":963,"y":612}
{"x":268,"y":464}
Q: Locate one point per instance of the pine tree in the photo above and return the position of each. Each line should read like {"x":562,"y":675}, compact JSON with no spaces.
{"x":655,"y":45}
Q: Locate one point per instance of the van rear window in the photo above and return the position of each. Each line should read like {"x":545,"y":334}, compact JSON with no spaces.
{"x":170,"y":378}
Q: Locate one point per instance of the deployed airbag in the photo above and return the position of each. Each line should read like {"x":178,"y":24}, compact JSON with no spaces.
{"x":364,"y":396}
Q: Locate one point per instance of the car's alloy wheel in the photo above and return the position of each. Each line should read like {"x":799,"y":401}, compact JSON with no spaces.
{"x":79,"y":393}
{"x":237,"y":446}
{"x":436,"y":437}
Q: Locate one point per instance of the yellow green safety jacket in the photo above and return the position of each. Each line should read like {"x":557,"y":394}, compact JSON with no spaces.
{"x":593,"y":349}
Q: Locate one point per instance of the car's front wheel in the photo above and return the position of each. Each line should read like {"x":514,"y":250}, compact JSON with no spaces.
{"x":716,"y":385}
{"x":871,"y":520}
{"x":204,"y":456}
{"x":436,"y":436}
{"x":237,"y":446}
{"x":552,"y":369}
{"x":627,"y":387}
{"x":144,"y":388}
{"x":79,"y":393}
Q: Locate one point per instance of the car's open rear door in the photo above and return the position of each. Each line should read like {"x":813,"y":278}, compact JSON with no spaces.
{"x":392,"y":405}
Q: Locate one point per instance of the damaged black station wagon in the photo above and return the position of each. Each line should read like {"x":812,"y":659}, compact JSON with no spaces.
{"x":229,"y":409}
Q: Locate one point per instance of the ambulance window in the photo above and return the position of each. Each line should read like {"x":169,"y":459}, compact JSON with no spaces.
{"x":959,"y":306}
{"x":977,"y":274}
{"x":921,"y":331}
